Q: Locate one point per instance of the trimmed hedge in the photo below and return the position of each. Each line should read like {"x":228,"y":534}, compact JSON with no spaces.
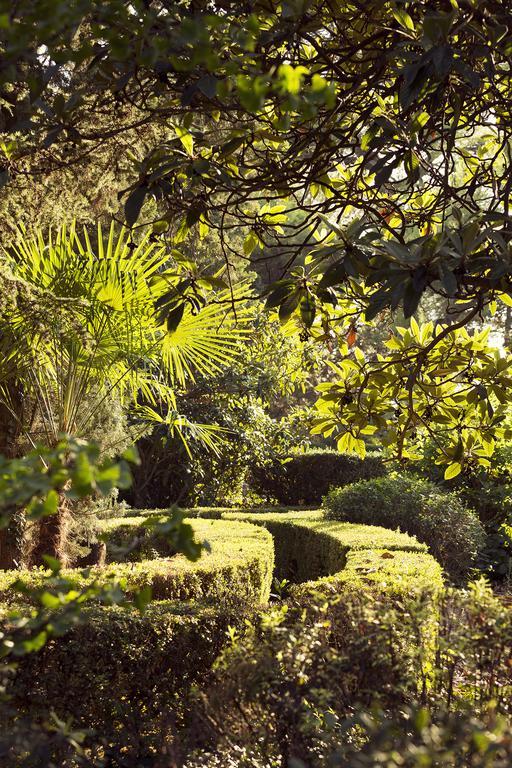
{"x":118,"y":670}
{"x":452,"y":532}
{"x":306,"y":477}
{"x":342,"y":556}
{"x":240,"y":563}
{"x":219,"y":513}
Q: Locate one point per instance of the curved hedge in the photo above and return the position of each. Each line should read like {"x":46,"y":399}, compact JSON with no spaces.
{"x":314,"y":552}
{"x":452,"y":532}
{"x":304,"y":478}
{"x":240,"y":563}
{"x":118,"y":670}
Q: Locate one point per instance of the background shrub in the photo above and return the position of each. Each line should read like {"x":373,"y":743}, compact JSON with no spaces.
{"x":452,"y":532}
{"x":488,"y":492}
{"x":306,"y":477}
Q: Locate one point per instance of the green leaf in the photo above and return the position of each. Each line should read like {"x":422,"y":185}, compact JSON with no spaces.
{"x":403,"y":18}
{"x":452,"y":470}
{"x":288,"y":306}
{"x":186,"y":139}
{"x":82,"y":475}
{"x":278,"y":295}
{"x":142,"y":598}
{"x":448,"y":279}
{"x":174,"y":318}
{"x":133,"y":205}
{"x":50,"y":505}
{"x":53,"y":564}
{"x":208,"y":85}
{"x":250,"y":243}
{"x":411,"y":299}
{"x":335,"y":274}
{"x":308,"y":310}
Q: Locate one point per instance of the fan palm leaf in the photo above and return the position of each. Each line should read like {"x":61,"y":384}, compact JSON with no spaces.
{"x":99,"y":331}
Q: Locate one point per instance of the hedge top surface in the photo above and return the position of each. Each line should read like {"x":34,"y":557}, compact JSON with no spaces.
{"x":330,"y":557}
{"x":240,"y":561}
{"x":350,"y":535}
{"x":398,"y":572}
{"x":218,"y":513}
{"x":229,"y":541}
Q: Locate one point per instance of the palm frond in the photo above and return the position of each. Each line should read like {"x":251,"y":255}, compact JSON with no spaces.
{"x":98,"y":329}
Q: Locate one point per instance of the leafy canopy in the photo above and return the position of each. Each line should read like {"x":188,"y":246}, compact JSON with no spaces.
{"x":376,"y":136}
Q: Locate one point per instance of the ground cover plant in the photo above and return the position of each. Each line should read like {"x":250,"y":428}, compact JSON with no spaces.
{"x":255,"y":375}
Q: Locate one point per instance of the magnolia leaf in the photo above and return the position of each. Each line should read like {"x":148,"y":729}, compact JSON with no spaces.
{"x":452,"y":470}
{"x":133,"y":205}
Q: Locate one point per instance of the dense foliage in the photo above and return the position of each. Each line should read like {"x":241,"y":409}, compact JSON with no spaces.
{"x":304,"y":478}
{"x":452,"y":532}
{"x":353,"y":141}
{"x":269,"y":242}
{"x":310,"y":692}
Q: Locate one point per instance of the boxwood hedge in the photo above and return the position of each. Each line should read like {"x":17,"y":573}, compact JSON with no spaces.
{"x":309,"y":548}
{"x":306,"y":477}
{"x":117,"y":671}
{"x":240,"y":562}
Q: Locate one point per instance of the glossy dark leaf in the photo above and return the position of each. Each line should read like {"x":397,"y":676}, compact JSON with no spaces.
{"x":133,"y":205}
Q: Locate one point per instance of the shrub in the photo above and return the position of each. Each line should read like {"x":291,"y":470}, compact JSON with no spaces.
{"x":306,"y":477}
{"x":298,"y":680}
{"x":334,"y":557}
{"x":312,"y":694}
{"x":440,"y":520}
{"x":122,"y":674}
{"x":239,"y":564}
{"x":487,"y":491}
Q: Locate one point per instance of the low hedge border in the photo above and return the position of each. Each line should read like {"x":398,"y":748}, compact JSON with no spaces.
{"x":313,"y":552}
{"x":117,"y":670}
{"x":418,"y":507}
{"x":239,"y":564}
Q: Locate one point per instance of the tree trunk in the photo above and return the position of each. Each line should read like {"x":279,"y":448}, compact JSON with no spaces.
{"x":51,"y":537}
{"x":11,"y":537}
{"x":508,"y":326}
{"x":11,"y":542}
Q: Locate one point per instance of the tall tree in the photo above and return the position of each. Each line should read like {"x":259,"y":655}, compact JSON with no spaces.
{"x":385,"y":125}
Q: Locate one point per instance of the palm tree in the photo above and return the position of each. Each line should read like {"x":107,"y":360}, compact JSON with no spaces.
{"x":84,"y":327}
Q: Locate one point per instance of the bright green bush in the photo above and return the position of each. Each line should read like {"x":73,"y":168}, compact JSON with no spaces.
{"x":440,"y":520}
{"x":239,"y":563}
{"x":308,"y":548}
{"x":305,"y":478}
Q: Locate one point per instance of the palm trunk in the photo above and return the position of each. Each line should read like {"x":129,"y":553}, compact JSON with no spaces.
{"x":12,"y":536}
{"x":52,"y":535}
{"x":11,"y":542}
